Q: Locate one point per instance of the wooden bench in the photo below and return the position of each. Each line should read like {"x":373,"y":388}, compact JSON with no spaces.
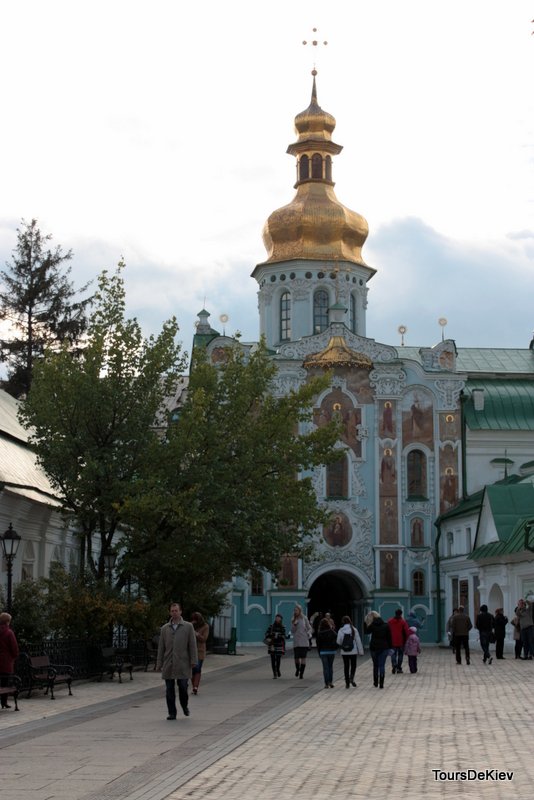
{"x":114,"y":660}
{"x":10,"y":685}
{"x":42,"y":674}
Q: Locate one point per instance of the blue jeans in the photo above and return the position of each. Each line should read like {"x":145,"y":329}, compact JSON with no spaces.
{"x":328,"y":666}
{"x":379,"y":662}
{"x":170,"y":694}
{"x":396,"y":658}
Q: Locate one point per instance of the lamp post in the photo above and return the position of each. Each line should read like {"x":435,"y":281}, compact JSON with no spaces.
{"x":110,"y":557}
{"x":10,"y":546}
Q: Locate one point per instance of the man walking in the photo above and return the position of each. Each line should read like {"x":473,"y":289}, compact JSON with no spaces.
{"x":177,"y":655}
{"x":460,"y":627}
{"x":484,"y":625}
{"x":399,"y":634}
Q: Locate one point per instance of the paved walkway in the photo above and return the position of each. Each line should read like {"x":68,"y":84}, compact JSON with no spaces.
{"x":253,"y":738}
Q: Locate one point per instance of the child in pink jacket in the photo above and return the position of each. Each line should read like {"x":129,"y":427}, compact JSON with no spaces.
{"x":412,"y":648}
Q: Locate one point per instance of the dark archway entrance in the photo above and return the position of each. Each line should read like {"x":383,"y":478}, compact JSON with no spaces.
{"x":339,"y":593}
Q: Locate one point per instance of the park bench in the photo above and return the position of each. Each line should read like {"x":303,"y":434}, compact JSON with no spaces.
{"x":114,"y":660}
{"x":41,"y":674}
{"x":10,"y":685}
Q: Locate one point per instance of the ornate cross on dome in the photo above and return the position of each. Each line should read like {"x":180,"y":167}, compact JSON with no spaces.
{"x":314,"y":43}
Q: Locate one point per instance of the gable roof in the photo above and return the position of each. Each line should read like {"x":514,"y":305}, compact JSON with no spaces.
{"x":512,"y":506}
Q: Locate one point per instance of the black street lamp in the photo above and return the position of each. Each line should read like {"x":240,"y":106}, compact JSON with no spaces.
{"x":10,"y":545}
{"x":110,"y":557}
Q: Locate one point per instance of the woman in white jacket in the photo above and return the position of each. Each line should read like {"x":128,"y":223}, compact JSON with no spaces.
{"x":351,"y":648}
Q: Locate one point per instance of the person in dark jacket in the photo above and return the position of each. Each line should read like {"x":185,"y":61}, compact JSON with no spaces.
{"x":9,"y":651}
{"x":276,"y":642}
{"x":379,"y":645}
{"x":499,"y":626}
{"x":484,"y":626}
{"x":327,"y":646}
{"x":460,"y":625}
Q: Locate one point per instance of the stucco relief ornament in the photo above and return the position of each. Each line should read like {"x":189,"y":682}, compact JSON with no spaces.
{"x":266,"y":294}
{"x":284,"y":382}
{"x":424,"y":507}
{"x":362,"y":432}
{"x":419,"y":557}
{"x":314,"y":344}
{"x":300,"y":288}
{"x":357,"y":484}
{"x":449,"y":393}
{"x":387,"y":382}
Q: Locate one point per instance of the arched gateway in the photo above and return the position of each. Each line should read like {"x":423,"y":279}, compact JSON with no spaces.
{"x":340,"y":592}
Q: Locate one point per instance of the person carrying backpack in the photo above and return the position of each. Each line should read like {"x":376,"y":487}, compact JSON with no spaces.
{"x":351,"y":646}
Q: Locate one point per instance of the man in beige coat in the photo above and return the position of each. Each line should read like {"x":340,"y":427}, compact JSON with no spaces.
{"x":177,"y":655}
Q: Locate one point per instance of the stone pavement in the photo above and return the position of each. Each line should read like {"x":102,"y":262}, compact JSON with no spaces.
{"x":250,"y":737}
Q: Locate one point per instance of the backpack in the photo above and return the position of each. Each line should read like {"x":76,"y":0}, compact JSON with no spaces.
{"x":348,"y":642}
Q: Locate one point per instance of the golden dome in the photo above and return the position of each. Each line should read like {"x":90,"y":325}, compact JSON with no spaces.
{"x":338,"y":354}
{"x":315,"y":225}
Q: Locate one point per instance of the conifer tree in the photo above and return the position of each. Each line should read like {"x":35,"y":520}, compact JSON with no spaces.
{"x":39,"y":306}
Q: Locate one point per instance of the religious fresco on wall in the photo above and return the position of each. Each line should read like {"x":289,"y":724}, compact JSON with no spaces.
{"x":449,"y":426}
{"x":359,"y":384}
{"x":448,"y":482}
{"x":288,"y":575}
{"x":219,"y":355}
{"x":388,"y":473}
{"x":386,"y":411}
{"x":388,"y":520}
{"x":338,"y":532}
{"x":338,"y":405}
{"x":417,"y":532}
{"x":389,"y":569}
{"x":417,"y":421}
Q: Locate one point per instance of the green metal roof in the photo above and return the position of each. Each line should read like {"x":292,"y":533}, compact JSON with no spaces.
{"x":511,"y":505}
{"x":514,"y":544}
{"x":495,"y":360}
{"x":508,"y":405}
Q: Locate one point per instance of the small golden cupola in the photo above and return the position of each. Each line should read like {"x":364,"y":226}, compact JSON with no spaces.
{"x":315,"y":225}
{"x":338,"y":355}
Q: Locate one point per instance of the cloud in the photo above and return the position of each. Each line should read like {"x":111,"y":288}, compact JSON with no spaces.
{"x":423,"y":275}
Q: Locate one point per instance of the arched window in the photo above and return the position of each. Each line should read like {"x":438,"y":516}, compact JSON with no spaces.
{"x":416,"y":474}
{"x":328,"y":168}
{"x":337,"y":479}
{"x":304,"y":168}
{"x":317,"y":166}
{"x":418,"y":582}
{"x":352,"y":313}
{"x":285,"y":317}
{"x":320,"y":311}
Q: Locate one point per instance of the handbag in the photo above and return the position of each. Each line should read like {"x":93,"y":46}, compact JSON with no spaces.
{"x":492,"y":637}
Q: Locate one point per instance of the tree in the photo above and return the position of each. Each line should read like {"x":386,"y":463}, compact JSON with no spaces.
{"x":91,"y":419}
{"x":38,"y":303}
{"x":223,"y":496}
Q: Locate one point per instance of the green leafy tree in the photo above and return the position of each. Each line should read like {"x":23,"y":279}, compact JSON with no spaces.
{"x":92,"y":419}
{"x":39,"y":304}
{"x":223,"y":496}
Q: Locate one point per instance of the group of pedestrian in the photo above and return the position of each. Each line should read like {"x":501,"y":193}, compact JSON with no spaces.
{"x":395,"y":638}
{"x":492,"y":630}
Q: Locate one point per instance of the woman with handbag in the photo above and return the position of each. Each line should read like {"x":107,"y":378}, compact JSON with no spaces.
{"x":349,"y":640}
{"x":275,"y":639}
{"x":302,"y":632}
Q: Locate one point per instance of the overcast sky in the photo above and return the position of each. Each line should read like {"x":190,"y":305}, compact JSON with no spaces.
{"x":157,"y":131}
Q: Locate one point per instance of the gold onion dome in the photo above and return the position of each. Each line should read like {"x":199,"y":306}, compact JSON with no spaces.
{"x":338,"y":354}
{"x":315,"y":225}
